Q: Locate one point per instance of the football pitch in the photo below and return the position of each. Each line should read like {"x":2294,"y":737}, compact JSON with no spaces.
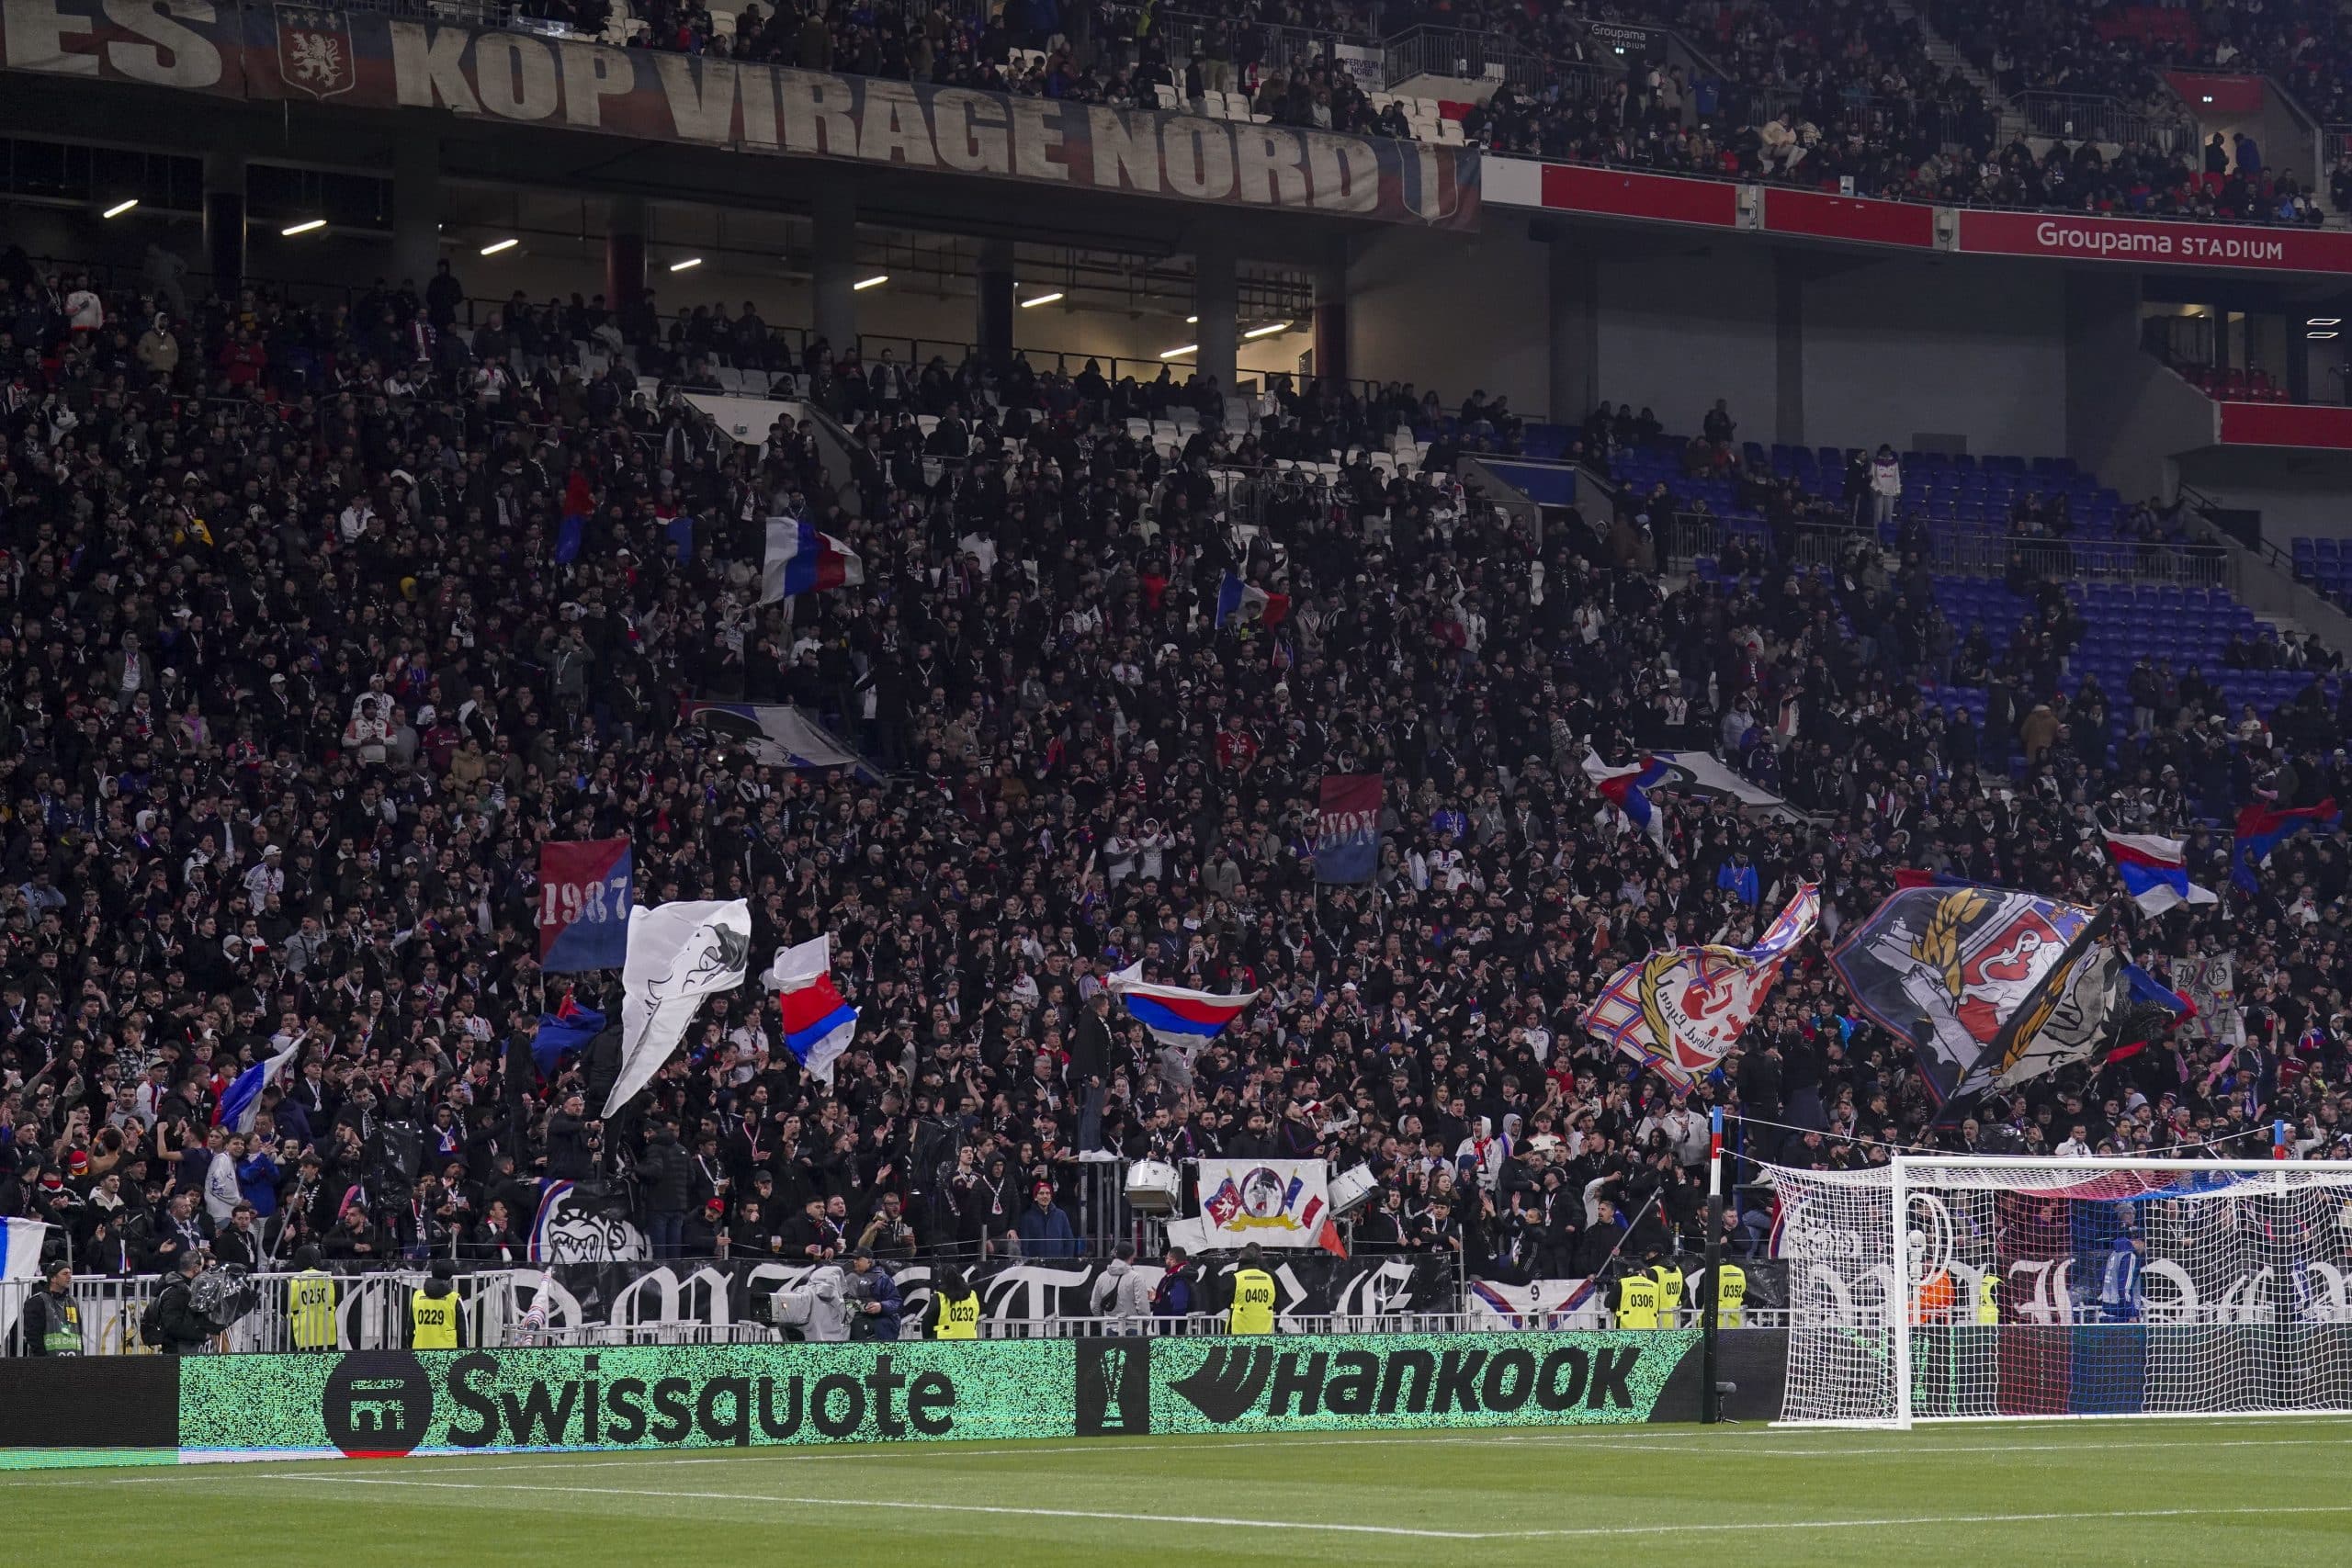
{"x":2111,"y":1492}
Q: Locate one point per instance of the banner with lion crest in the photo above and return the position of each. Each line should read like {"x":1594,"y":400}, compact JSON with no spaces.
{"x":1972,"y":978}
{"x":1681,"y":1010}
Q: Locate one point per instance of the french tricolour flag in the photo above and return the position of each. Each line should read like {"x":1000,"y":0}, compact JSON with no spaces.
{"x":1186,"y":1020}
{"x":816,"y":1023}
{"x":2155,"y":871}
{"x":1240,"y":599}
{"x":802,"y":560}
{"x":241,"y":1102}
{"x":1626,"y":788}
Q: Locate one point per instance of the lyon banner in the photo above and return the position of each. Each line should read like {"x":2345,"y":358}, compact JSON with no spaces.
{"x":584,"y":899}
{"x":1274,"y":1202}
{"x":1346,"y":835}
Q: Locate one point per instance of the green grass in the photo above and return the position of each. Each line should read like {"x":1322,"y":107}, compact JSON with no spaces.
{"x":2109,"y":1491}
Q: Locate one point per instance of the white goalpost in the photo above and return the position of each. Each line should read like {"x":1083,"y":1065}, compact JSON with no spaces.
{"x":1941,"y":1288}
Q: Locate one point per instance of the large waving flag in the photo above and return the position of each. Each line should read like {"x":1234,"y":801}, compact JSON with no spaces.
{"x":584,"y":899}
{"x":776,"y":734}
{"x":816,"y":1023}
{"x":2155,"y":871}
{"x":1627,"y":787}
{"x":802,"y":560}
{"x":569,"y":1028}
{"x":1186,"y":1020}
{"x":1347,"y":833}
{"x":241,"y":1102}
{"x":1237,"y":599}
{"x":2260,"y":829}
{"x":1682,"y":1009}
{"x":678,"y":954}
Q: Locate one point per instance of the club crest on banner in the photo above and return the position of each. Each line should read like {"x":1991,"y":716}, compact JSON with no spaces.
{"x":314,"y":51}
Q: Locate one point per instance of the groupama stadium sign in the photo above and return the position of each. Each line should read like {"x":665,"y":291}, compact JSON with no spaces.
{"x":387,"y":1403}
{"x":369,"y":61}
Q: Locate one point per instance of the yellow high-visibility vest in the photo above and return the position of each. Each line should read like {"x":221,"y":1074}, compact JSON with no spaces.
{"x":1637,"y":1301}
{"x":1253,"y":1303}
{"x":960,"y":1317}
{"x":1731,"y":1291}
{"x":434,"y":1320}
{"x":309,"y":1310}
{"x":1669,"y":1293}
{"x":1988,"y":1297}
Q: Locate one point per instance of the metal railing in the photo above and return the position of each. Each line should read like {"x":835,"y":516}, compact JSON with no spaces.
{"x":1953,"y":551}
{"x":2086,"y":116}
{"x":1476,"y":56}
{"x":371,"y":1311}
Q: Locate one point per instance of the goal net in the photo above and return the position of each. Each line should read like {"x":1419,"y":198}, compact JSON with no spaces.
{"x":1938,"y":1288}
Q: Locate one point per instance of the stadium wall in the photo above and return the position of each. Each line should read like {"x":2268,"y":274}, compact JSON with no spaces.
{"x":1455,"y":313}
{"x":391,"y":1404}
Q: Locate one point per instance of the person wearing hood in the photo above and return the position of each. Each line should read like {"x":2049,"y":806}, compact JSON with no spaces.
{"x":1120,"y":1295}
{"x":819,"y":1308}
{"x":878,"y":1305}
{"x":53,"y":1323}
{"x":954,"y":1311}
{"x":436,"y":1320}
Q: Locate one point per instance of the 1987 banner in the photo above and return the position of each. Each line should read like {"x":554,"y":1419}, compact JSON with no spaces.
{"x":367,"y":60}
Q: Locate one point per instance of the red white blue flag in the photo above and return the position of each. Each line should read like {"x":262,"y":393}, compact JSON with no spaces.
{"x":2155,"y":871}
{"x":1186,"y":1020}
{"x":817,"y":1024}
{"x":1627,"y":788}
{"x":802,"y":560}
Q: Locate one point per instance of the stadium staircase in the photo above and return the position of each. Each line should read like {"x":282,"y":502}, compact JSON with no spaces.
{"x":1941,"y":51}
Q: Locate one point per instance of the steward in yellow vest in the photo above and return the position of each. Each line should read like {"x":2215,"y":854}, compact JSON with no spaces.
{"x":954,"y":1310}
{"x":1252,"y":1311}
{"x":310,"y":1304}
{"x":1637,"y":1300}
{"x":1731,"y":1294}
{"x":1669,"y":1293}
{"x":434,"y":1322}
{"x":1988,"y":1297}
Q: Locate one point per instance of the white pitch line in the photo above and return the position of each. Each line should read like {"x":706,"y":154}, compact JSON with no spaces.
{"x":1221,"y":1521}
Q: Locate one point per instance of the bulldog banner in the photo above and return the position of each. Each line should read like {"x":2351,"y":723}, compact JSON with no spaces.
{"x":368,"y":59}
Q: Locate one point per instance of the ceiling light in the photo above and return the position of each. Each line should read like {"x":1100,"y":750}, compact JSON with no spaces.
{"x":2321,"y":337}
{"x":2325,"y":322}
{"x":304,"y":227}
{"x":1267,"y":330}
{"x":877,"y":281}
{"x":1041,"y":299}
{"x":120,"y":208}
{"x":682,"y":265}
{"x":497,"y":246}
{"x":1191,"y":320}
{"x":1180,"y":353}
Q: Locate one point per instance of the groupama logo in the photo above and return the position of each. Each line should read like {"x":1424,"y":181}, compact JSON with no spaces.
{"x":1235,"y":1381}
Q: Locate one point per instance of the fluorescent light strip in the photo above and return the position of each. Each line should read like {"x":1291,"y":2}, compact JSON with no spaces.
{"x":682,"y":265}
{"x":304,"y":227}
{"x":120,"y":208}
{"x":1041,"y":299}
{"x":1180,"y":353}
{"x":1267,"y":330}
{"x":497,"y":246}
{"x":877,"y":281}
{"x":2313,"y":321}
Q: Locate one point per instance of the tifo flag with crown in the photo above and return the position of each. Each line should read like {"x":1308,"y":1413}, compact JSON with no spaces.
{"x":1186,"y":1020}
{"x":241,"y":1100}
{"x":802,"y":560}
{"x":2155,"y":871}
{"x":1627,"y":788}
{"x":1239,"y":600}
{"x":1275,"y":1202}
{"x":2260,"y":829}
{"x":1682,"y":1009}
{"x":818,"y":1025}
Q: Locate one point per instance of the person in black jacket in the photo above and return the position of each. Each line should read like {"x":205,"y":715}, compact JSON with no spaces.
{"x":572,"y":1140}
{"x":186,"y":1331}
{"x":666,"y":1172}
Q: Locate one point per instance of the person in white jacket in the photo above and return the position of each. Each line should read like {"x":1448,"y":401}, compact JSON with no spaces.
{"x":1121,"y":1296}
{"x":1886,"y":484}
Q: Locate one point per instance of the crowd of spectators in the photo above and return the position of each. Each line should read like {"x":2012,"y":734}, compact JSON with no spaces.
{"x":295,"y":689}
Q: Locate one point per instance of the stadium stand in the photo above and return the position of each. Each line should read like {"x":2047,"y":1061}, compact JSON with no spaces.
{"x":302,"y":672}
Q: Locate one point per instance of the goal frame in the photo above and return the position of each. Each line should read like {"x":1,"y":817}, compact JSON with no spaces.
{"x":1902,"y":1167}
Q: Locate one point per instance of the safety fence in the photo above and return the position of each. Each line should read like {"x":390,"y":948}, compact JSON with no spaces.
{"x":2086,"y":116}
{"x":1686,"y":538}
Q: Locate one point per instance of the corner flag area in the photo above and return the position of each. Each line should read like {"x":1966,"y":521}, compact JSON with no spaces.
{"x":1993,"y":1494}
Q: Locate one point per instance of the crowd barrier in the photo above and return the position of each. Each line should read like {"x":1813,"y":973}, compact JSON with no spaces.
{"x":388,"y":1403}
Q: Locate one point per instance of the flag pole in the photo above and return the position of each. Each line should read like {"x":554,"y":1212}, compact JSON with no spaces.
{"x":1710,"y":1393}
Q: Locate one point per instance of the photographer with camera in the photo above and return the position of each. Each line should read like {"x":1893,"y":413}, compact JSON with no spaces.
{"x":172,"y":1322}
{"x":879,"y":1306}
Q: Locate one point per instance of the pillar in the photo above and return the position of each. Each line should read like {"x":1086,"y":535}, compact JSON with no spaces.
{"x":1217,"y":299}
{"x":625,"y":251}
{"x":224,"y":218}
{"x":1788,"y":348}
{"x":1331,"y":319}
{"x":835,"y":211}
{"x":416,"y":208}
{"x":1575,"y":330}
{"x":993,"y":328}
